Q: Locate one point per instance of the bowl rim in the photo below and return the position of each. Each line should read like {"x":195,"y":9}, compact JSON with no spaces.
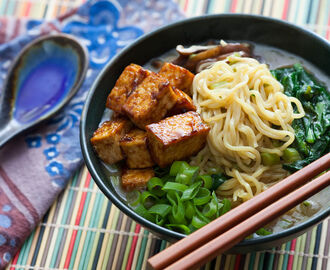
{"x":126,"y":209}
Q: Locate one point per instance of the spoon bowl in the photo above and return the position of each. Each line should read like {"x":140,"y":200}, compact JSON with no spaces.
{"x":42,"y":79}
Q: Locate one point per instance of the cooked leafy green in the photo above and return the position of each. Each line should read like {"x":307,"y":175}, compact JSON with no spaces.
{"x":218,"y":179}
{"x":312,"y":131}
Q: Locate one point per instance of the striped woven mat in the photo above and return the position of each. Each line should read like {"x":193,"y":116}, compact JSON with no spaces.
{"x":83,"y":230}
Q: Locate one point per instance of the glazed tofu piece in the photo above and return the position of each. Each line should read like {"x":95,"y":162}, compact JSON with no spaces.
{"x":178,"y":77}
{"x":106,"y":139}
{"x":128,"y":81}
{"x":183,"y":103}
{"x":136,"y":179}
{"x":176,"y":137}
{"x":150,"y":101}
{"x":134,"y":147}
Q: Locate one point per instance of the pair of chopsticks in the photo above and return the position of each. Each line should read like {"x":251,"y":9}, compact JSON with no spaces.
{"x":228,"y":230}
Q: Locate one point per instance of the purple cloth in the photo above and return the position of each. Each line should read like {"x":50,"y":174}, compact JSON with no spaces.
{"x":35,"y":167}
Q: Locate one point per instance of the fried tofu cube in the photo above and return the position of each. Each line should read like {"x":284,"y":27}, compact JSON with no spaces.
{"x":150,"y":101}
{"x":178,"y":77}
{"x":134,"y":146}
{"x":136,"y":179}
{"x":183,"y":104}
{"x":176,"y":137}
{"x":106,"y":139}
{"x":127,"y":82}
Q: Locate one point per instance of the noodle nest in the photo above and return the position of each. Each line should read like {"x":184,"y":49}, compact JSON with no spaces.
{"x":248,"y":114}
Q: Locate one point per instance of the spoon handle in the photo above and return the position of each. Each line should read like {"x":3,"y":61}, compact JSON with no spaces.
{"x":6,"y":133}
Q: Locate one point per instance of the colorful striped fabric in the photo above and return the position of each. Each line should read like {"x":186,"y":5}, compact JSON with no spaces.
{"x":83,"y":230}
{"x":312,"y":14}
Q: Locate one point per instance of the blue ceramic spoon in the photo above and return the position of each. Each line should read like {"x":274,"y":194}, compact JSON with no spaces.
{"x":42,"y":79}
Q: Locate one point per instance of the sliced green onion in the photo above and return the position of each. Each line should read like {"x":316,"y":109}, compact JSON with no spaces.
{"x":190,"y":209}
{"x":174,"y":186}
{"x":197,"y":222}
{"x":162,"y":200}
{"x":219,"y":204}
{"x":168,"y":178}
{"x":226,"y":206}
{"x":178,"y":167}
{"x":181,"y":199}
{"x":178,"y":211}
{"x":143,"y":212}
{"x":133,"y":197}
{"x":179,"y":227}
{"x":201,"y":216}
{"x":207,"y":180}
{"x":182,"y":178}
{"x":263,"y":232}
{"x":306,"y":203}
{"x":291,"y":155}
{"x":160,"y":209}
{"x":155,"y":185}
{"x":159,"y":220}
{"x":170,"y":218}
{"x":202,"y":197}
{"x":210,"y":209}
{"x":192,"y":228}
{"x":191,"y":191}
{"x":277,"y":143}
{"x":147,"y":199}
{"x":269,"y":159}
{"x":191,"y":173}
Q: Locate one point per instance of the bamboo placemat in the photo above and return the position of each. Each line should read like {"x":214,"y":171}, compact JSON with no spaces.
{"x":83,"y":230}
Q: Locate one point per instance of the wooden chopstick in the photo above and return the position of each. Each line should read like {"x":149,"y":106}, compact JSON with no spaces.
{"x":237,"y":215}
{"x":230,"y":238}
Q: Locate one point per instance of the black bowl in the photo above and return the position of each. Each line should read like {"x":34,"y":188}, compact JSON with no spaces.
{"x":258,"y":29}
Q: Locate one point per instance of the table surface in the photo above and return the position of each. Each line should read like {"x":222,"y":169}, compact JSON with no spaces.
{"x":83,"y":230}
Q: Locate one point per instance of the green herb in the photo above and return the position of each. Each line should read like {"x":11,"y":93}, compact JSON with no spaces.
{"x":312,"y":132}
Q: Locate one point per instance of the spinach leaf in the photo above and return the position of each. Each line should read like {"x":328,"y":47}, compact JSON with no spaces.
{"x":312,"y":132}
{"x":218,"y":179}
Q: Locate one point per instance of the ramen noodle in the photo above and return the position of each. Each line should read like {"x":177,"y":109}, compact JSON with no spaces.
{"x":249,"y":115}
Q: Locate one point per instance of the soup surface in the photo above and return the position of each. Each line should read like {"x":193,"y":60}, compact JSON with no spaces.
{"x":274,"y":58}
